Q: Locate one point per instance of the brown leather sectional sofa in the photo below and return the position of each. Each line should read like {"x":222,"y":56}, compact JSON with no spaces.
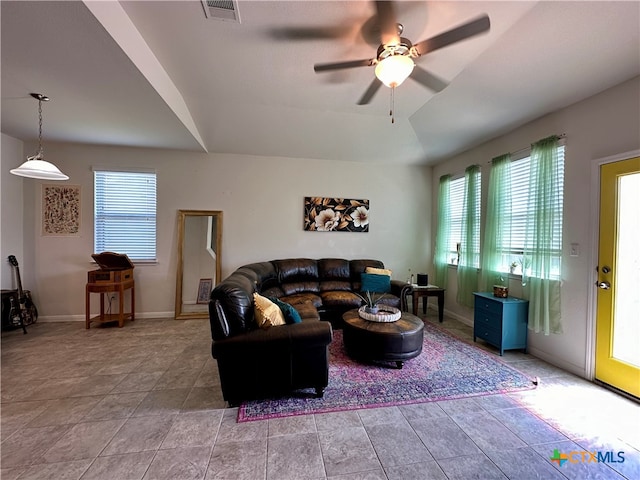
{"x":258,"y":363}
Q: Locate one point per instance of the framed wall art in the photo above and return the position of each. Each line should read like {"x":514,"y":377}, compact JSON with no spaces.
{"x":61,"y":210}
{"x":324,"y":214}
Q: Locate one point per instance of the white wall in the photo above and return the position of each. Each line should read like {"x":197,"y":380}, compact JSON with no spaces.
{"x":262,"y":203}
{"x":11,"y":213}
{"x":603,"y":125}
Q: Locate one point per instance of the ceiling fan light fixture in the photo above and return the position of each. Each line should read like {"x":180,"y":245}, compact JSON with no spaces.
{"x":36,"y":166}
{"x":394,"y":70}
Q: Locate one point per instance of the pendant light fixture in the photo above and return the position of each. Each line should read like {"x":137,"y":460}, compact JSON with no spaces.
{"x":36,"y":166}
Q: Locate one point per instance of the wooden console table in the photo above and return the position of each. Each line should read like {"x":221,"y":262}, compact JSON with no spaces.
{"x":102,"y":288}
{"x":418,"y":292}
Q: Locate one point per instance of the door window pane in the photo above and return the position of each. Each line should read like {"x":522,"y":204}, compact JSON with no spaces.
{"x":626,"y":327}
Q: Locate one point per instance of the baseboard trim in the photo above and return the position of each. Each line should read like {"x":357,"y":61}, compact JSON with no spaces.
{"x":82,"y":318}
{"x":457,"y":316}
{"x":569,"y":367}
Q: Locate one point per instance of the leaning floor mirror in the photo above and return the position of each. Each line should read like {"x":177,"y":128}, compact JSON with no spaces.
{"x":199,"y":239}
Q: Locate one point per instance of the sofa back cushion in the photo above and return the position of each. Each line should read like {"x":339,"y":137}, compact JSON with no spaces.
{"x":262,"y":273}
{"x":334,"y":274}
{"x":297,"y":275}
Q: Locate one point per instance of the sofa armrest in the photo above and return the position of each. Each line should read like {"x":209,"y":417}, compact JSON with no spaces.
{"x":295,"y":336}
{"x":397,"y":287}
{"x":401,"y":290}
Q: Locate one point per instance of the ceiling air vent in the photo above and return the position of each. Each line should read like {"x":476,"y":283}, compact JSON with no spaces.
{"x":226,"y":10}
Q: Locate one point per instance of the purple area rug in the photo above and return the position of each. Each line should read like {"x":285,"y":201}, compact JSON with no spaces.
{"x":447,"y":368}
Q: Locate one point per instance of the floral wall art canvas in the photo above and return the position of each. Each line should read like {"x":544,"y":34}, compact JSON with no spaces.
{"x":60,"y":210}
{"x":336,"y":214}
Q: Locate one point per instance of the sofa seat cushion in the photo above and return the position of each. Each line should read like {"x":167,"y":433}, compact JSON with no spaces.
{"x":307,"y":311}
{"x":340,"y":299}
{"x":299,"y":298}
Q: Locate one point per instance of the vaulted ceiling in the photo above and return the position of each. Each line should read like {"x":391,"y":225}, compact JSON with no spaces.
{"x":161,"y":74}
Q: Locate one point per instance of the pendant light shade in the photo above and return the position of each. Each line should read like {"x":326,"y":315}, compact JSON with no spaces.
{"x":36,"y":166}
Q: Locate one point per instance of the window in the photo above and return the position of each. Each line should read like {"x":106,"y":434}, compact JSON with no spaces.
{"x":514,"y":258}
{"x":457,"y":200}
{"x":125,"y":213}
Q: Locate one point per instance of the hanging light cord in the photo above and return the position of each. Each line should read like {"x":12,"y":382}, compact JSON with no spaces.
{"x":41,"y":98}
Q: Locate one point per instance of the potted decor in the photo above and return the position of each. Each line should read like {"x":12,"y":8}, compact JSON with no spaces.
{"x":371,"y":301}
{"x":374,"y":312}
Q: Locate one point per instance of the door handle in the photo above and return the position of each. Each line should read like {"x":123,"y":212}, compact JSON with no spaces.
{"x":604,"y":285}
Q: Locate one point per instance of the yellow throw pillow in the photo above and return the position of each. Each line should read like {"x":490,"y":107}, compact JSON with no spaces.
{"x":378,"y":271}
{"x":267,"y":313}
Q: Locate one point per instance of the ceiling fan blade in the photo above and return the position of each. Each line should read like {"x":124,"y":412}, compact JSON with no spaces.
{"x":308,"y":33}
{"x":475,"y":27}
{"x":324,"y":67}
{"x":387,"y":22}
{"x":371,"y":91}
{"x":428,"y":79}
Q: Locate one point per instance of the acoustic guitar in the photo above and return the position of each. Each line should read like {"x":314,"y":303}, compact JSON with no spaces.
{"x":27,"y":310}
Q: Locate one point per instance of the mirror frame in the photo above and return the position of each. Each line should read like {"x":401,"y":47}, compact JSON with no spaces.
{"x":182,"y":215}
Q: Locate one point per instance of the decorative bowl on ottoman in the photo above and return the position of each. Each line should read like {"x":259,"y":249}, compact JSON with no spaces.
{"x":383,"y":314}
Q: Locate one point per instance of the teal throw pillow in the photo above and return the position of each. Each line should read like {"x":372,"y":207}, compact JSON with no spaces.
{"x":372,"y":282}
{"x":291,"y":315}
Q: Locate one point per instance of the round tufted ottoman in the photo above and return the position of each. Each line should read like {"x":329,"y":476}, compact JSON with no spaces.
{"x":391,"y":342}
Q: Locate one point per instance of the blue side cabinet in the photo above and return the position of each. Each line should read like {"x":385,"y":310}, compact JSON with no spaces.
{"x":502,"y":322}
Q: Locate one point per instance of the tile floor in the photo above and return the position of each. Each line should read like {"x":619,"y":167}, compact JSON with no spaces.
{"x":143,"y":402}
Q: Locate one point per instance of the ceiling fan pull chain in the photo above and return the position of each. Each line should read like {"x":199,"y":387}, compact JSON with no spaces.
{"x":392,"y":104}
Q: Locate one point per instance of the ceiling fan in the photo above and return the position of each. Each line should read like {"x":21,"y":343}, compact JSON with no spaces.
{"x":394,"y":60}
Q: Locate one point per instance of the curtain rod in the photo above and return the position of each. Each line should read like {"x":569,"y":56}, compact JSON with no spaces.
{"x":522,"y":150}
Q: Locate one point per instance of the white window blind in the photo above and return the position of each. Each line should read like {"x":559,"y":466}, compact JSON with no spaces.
{"x":456,"y":206}
{"x":125,"y":213}
{"x":513,"y":256}
{"x":456,"y":202}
